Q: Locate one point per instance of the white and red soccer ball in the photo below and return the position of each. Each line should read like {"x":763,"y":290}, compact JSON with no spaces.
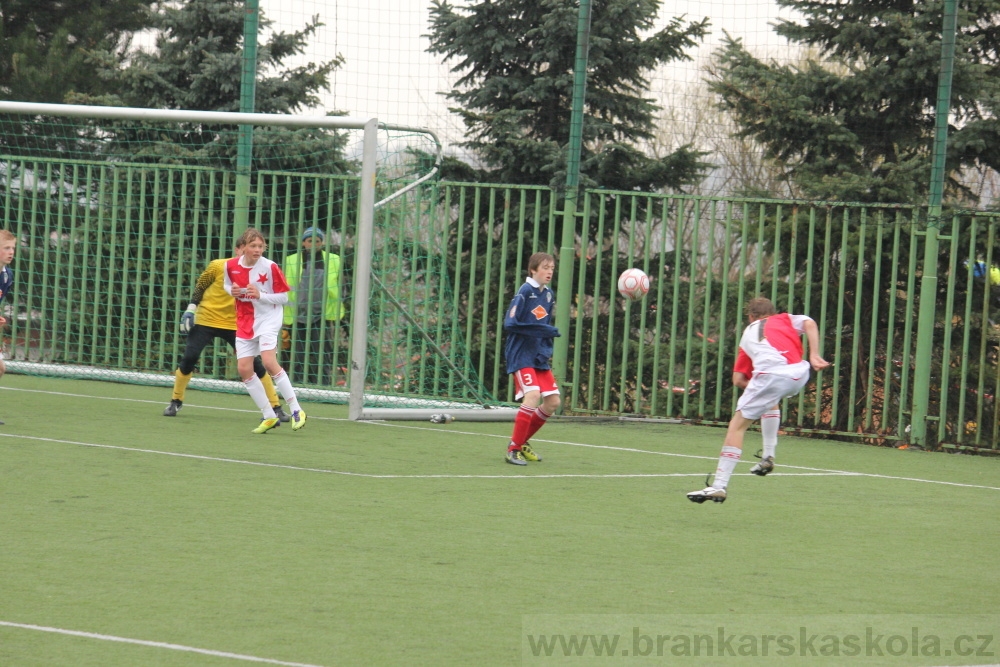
{"x":633,"y":284}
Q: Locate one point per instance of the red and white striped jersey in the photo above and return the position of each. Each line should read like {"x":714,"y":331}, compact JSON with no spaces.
{"x":258,"y":316}
{"x":771,"y":343}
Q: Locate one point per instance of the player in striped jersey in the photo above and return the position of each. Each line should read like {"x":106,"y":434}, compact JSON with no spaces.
{"x":770,"y":356}
{"x":211,"y":314}
{"x":261,"y":292}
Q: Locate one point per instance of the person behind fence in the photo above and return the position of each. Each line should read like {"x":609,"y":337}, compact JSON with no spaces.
{"x":211,"y":314}
{"x":980,"y":272}
{"x":8,"y":244}
{"x":770,"y":355}
{"x":528,"y":351}
{"x":315,"y":308}
{"x":260,"y":290}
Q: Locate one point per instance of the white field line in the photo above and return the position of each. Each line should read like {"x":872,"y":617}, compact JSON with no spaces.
{"x":143,"y":642}
{"x":248,"y":658}
{"x":282,"y":466}
{"x":809,"y":471}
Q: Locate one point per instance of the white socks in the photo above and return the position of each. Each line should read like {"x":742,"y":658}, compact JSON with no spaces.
{"x":256,"y":390}
{"x":284,"y":386}
{"x":728,"y":459}
{"x":770,"y":421}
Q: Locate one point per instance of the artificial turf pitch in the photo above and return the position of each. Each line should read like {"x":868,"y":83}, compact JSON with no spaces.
{"x":129,"y":538}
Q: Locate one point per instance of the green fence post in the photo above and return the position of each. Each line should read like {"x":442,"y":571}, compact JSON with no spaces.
{"x":929,"y":279}
{"x":567,"y":249}
{"x":248,"y":90}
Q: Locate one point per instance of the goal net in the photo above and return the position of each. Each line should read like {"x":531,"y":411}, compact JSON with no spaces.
{"x":117,"y":211}
{"x":418,"y":363}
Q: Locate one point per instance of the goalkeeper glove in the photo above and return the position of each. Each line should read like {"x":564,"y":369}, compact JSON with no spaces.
{"x":187,"y":319}
{"x":286,"y":340}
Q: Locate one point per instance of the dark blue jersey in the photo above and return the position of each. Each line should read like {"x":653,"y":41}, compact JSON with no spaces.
{"x":529,"y":328}
{"x":6,"y":281}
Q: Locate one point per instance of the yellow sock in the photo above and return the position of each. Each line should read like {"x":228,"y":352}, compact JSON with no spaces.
{"x":180,"y":384}
{"x":272,"y":395}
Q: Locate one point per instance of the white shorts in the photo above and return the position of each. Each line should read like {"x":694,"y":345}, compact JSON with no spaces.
{"x":251,"y":347}
{"x":767,"y":388}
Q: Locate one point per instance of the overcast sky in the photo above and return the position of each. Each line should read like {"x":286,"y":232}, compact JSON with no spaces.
{"x":389,"y":74}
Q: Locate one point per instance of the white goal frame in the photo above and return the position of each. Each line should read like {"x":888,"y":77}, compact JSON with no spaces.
{"x":365,"y":226}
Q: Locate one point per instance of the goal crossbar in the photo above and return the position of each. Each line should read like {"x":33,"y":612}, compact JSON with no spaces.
{"x":182,"y":115}
{"x":363,"y":276}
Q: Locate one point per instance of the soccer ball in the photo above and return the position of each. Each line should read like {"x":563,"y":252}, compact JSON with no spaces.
{"x":633,"y":284}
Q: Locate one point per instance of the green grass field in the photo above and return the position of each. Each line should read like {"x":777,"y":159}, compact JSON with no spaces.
{"x":128,"y":538}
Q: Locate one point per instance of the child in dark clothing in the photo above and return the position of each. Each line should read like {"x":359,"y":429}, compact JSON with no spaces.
{"x":528,"y":351}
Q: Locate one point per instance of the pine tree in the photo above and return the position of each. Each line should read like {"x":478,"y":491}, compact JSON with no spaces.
{"x":197,"y":65}
{"x":516,"y":60}
{"x":515,"y":93}
{"x":45,"y":44}
{"x":46,"y":51}
{"x":858,"y":125}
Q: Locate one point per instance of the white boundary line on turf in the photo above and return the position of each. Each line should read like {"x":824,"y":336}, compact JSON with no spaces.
{"x":283,"y":466}
{"x":819,"y":472}
{"x":134,"y":400}
{"x":143,"y":642}
{"x":811,"y":471}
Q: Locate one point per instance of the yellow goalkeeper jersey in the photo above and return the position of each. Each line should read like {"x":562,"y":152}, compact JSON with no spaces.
{"x":216,"y":307}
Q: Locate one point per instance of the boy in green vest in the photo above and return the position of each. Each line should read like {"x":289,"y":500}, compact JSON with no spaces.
{"x":314,"y":310}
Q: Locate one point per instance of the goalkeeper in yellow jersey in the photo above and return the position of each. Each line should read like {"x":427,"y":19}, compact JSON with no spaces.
{"x":210,"y":315}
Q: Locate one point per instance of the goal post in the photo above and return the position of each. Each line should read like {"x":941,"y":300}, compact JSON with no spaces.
{"x":362,"y":290}
{"x":402,"y":329}
{"x":117,"y":210}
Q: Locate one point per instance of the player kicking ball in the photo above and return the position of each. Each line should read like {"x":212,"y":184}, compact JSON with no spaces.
{"x":770,"y":356}
{"x":261,"y":291}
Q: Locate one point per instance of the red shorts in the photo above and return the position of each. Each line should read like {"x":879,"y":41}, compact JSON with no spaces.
{"x":532,"y":379}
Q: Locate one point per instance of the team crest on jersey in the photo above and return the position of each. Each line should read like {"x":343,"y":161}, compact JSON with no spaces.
{"x":548,"y":297}
{"x":539,"y":312}
{"x":262,"y":278}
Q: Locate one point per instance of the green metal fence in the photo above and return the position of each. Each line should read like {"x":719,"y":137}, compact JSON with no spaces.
{"x":852,"y":268}
{"x":108,"y":255}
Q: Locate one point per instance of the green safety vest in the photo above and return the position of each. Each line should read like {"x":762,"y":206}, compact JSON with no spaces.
{"x":292,"y":268}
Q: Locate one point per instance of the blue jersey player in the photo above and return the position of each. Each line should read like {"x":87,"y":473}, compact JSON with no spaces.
{"x":528,"y":351}
{"x":7,"y":246}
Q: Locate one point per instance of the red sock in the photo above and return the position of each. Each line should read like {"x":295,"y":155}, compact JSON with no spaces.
{"x":522,"y":424}
{"x":537,"y":421}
